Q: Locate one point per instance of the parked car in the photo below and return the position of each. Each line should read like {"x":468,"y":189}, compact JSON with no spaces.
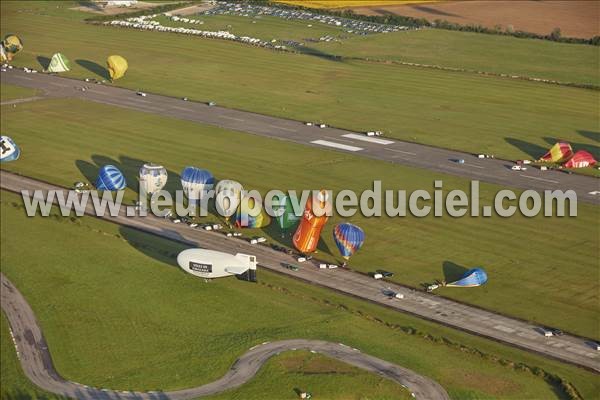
{"x":211,"y":104}
{"x":386,"y":274}
{"x":322,"y":126}
{"x":518,"y":168}
{"x":291,"y":267}
{"x":141,"y":94}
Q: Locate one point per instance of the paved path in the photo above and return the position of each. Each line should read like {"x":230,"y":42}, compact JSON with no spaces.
{"x":395,"y":151}
{"x":521,"y":334}
{"x":32,"y":351}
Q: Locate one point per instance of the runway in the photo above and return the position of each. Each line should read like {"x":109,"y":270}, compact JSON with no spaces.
{"x":36,"y":361}
{"x":521,"y":334}
{"x":405,"y":153}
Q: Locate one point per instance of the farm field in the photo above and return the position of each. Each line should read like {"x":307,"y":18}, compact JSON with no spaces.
{"x":575,"y":18}
{"x":418,"y":250}
{"x":90,"y":308}
{"x":351,"y":3}
{"x":511,"y":119}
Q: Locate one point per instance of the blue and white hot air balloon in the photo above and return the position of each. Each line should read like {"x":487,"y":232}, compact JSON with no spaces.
{"x":153,"y":178}
{"x":348,"y":238}
{"x":195,"y":181}
{"x":110,"y":178}
{"x":9,"y":151}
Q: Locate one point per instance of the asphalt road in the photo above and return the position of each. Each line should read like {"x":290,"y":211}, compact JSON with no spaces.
{"x":521,"y":334}
{"x":405,"y":153}
{"x":36,"y":361}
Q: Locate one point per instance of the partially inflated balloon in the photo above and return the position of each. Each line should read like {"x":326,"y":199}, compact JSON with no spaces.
{"x":195,"y":181}
{"x":153,"y":178}
{"x":9,"y":151}
{"x":307,"y":234}
{"x":11,"y":45}
{"x":227,"y":197}
{"x":117,"y":66}
{"x":110,"y":178}
{"x":251,"y":214}
{"x":59,"y":63}
{"x":283,"y":207}
{"x":348,"y":238}
{"x":471,"y":278}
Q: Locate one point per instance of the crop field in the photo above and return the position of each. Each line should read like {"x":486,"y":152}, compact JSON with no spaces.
{"x":418,"y":250}
{"x":103,"y":330}
{"x":512,"y":119}
{"x":352,"y":3}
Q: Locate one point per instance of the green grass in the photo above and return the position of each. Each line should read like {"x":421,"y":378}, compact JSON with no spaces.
{"x":489,"y":53}
{"x":511,"y":119}
{"x":11,"y":92}
{"x":515,"y":251}
{"x":118,"y":313}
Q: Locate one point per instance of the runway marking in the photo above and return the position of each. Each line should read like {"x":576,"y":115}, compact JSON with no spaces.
{"x":282,"y":128}
{"x":504,"y":328}
{"x":474,"y":166}
{"x":539,"y":179}
{"x":57,"y":84}
{"x":337,"y":145}
{"x":232,"y":118}
{"x":367,"y":138}
{"x":401,"y":151}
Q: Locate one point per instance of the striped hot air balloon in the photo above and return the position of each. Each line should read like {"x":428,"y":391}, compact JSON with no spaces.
{"x":471,"y":278}
{"x":195,"y":181}
{"x":286,"y":217}
{"x":581,"y":159}
{"x":348,"y":238}
{"x":59,"y":63}
{"x":110,"y":178}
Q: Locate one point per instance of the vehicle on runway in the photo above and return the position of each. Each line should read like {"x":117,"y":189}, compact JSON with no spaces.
{"x":185,"y":99}
{"x":141,"y":94}
{"x":322,"y":126}
{"x":211,"y":104}
{"x":374,"y":133}
{"x":291,"y":267}
{"x":308,"y":123}
{"x":518,"y":168}
{"x":384,"y":273}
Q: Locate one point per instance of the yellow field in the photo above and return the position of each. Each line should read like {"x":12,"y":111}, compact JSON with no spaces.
{"x":351,"y":3}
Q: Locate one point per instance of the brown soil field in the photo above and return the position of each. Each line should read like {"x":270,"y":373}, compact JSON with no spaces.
{"x":575,"y":18}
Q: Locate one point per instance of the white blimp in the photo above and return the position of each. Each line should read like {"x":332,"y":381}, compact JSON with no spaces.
{"x":215,"y":264}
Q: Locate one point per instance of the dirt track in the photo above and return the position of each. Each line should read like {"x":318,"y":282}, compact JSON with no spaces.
{"x":575,"y":18}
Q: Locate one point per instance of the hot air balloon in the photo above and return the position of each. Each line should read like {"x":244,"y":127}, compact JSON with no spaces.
{"x":11,"y":45}
{"x":227,"y":197}
{"x":286,"y":217}
{"x":59,"y":63}
{"x":471,"y":278}
{"x":195,"y":181}
{"x":307,"y":234}
{"x":110,"y":178}
{"x":559,"y":153}
{"x":243,"y":217}
{"x":153,"y":178}
{"x":9,"y":151}
{"x":348,"y":238}
{"x":581,"y":159}
{"x":117,"y":66}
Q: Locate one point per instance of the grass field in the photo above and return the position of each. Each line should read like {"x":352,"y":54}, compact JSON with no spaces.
{"x":508,"y":118}
{"x":11,"y":92}
{"x":514,"y":251}
{"x":179,"y":331}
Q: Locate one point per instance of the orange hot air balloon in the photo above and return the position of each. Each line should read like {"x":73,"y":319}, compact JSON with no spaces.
{"x":309,"y":230}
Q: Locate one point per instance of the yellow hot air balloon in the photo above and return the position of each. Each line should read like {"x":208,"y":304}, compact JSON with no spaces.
{"x":117,"y":66}
{"x":11,"y":45}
